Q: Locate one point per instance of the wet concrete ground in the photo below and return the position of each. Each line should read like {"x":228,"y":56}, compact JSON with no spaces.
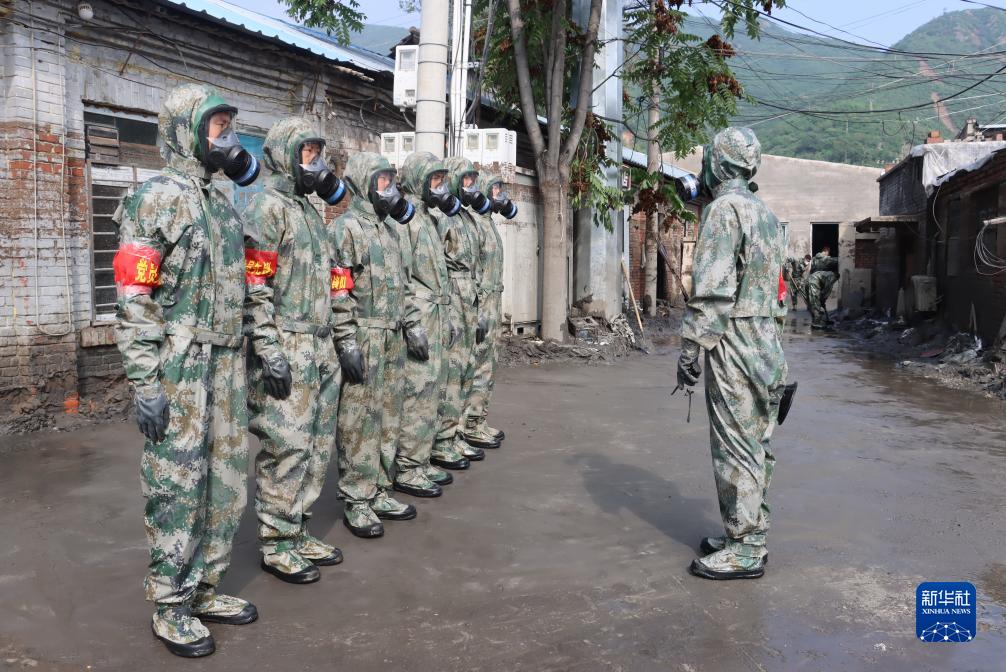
{"x":568,"y":548}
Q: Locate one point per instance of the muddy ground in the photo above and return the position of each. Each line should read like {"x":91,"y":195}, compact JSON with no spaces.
{"x":930,"y":349}
{"x":567,"y":549}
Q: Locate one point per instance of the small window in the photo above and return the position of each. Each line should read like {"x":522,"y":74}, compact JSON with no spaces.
{"x":472,"y":141}
{"x":389,"y":144}
{"x":492,"y":141}
{"x":408,"y":142}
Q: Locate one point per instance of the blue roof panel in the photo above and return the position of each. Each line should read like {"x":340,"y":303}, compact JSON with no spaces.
{"x":287,"y":33}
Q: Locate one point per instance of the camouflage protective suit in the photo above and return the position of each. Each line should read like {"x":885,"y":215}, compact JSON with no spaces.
{"x":732,"y":314}
{"x":793,"y":271}
{"x":370,"y":414}
{"x":180,"y":327}
{"x":428,"y":304}
{"x":297,"y":433}
{"x":490,"y":293}
{"x":823,"y":276}
{"x":460,"y":235}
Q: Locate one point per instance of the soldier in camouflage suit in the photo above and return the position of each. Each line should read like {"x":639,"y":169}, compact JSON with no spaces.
{"x":429,"y":325}
{"x":738,"y":298}
{"x":297,"y":433}
{"x":793,"y":271}
{"x":490,"y":291}
{"x":823,"y":276}
{"x":181,"y":279}
{"x":370,"y":415}
{"x":461,"y":247}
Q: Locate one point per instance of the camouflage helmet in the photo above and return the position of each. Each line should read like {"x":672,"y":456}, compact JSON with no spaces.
{"x":734,"y":153}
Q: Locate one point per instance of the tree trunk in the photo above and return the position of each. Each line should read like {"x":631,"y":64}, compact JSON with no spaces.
{"x":653,"y":221}
{"x":555,"y":251}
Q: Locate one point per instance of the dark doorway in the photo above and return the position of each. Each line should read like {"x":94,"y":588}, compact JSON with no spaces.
{"x":661,"y":274}
{"x":824,"y":233}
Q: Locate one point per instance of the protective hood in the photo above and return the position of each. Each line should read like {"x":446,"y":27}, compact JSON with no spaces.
{"x":458,"y":167}
{"x":734,"y":154}
{"x":415,"y":175}
{"x":360,"y":168}
{"x":185,"y":147}
{"x":501,"y":204}
{"x":361,"y":171}
{"x":282,"y":150}
{"x":282,"y":145}
{"x":179,"y":122}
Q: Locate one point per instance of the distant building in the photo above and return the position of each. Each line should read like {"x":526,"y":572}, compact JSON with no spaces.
{"x":909,"y":233}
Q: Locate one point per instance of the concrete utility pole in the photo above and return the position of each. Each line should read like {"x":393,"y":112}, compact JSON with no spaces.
{"x":431,"y":78}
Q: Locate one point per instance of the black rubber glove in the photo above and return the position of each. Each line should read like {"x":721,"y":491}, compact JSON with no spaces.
{"x":152,"y":411}
{"x":351,"y":361}
{"x":418,"y":344}
{"x":276,"y":375}
{"x":482,"y":330}
{"x":688,"y":363}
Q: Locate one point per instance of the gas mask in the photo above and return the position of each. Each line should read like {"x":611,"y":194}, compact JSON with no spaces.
{"x":225,"y":152}
{"x":440,"y":197}
{"x":472,"y":197}
{"x":688,"y":187}
{"x":389,"y":202}
{"x":315,"y":177}
{"x":502,"y":205}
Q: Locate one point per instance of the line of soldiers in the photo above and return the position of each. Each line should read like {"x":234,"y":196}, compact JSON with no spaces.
{"x":380,"y":327}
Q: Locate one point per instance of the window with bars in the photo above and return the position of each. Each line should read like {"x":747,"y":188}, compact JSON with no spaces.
{"x":109,"y":184}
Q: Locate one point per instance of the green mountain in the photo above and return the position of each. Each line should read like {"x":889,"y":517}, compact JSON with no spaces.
{"x":825,"y":78}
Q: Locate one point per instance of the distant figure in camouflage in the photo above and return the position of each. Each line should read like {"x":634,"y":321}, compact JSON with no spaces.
{"x":181,"y":277}
{"x":823,"y":276}
{"x":793,"y":272}
{"x":462,"y":248}
{"x":477,"y":431}
{"x":732,"y":314}
{"x":370,"y":414}
{"x":429,"y":326}
{"x":297,"y":433}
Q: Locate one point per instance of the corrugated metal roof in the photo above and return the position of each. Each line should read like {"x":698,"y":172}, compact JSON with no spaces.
{"x":287,"y":33}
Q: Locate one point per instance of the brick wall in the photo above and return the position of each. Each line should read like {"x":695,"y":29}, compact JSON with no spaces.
{"x":986,"y":292}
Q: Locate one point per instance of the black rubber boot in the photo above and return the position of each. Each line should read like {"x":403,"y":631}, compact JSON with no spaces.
{"x":416,"y":491}
{"x":197,"y":649}
{"x":457,"y":465}
{"x":306,"y":575}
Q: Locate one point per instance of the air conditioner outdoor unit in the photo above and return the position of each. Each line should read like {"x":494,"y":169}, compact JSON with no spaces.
{"x":389,"y":147}
{"x":406,"y":59}
{"x":396,"y":147}
{"x":499,"y":146}
{"x":486,"y":146}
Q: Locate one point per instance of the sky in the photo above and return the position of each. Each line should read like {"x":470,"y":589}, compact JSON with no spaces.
{"x":872,"y":21}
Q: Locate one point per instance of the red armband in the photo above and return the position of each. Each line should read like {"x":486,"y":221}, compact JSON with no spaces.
{"x":137,"y":269}
{"x":342,"y":281}
{"x":259,"y":266}
{"x":783,"y":291}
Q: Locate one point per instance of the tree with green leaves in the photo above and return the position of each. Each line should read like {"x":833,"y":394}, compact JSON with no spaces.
{"x":536,"y":67}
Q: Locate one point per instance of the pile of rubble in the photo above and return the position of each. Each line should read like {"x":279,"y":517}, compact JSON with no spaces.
{"x":932,"y":350}
{"x":592,"y":340}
